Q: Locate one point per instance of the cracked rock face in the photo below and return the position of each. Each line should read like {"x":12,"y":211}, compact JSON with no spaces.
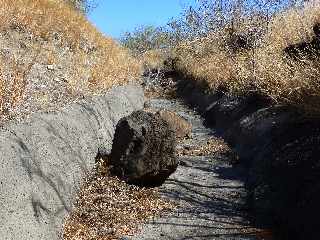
{"x":143,"y":150}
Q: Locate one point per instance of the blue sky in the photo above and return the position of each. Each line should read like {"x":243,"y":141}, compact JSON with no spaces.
{"x":114,"y":17}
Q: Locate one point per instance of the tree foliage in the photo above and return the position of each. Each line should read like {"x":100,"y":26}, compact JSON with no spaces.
{"x":208,"y":16}
{"x":146,"y":38}
{"x":211,"y":15}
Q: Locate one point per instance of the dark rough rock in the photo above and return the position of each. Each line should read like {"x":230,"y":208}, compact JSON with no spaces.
{"x":280,"y":149}
{"x":250,"y":134}
{"x":143,"y":150}
{"x":43,"y":160}
{"x":284,"y":180}
{"x":197,"y":95}
{"x":228,"y":110}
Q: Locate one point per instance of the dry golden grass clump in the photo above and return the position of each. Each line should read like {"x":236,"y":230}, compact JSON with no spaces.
{"x":212,"y":146}
{"x":181,"y":126}
{"x":203,"y":60}
{"x":263,"y":66}
{"x":49,"y":49}
{"x":153,"y":59}
{"x":107,"y":208}
{"x":213,"y":60}
{"x":281,"y":77}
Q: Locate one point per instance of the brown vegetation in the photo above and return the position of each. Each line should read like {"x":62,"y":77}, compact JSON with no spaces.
{"x":153,"y":59}
{"x":47,"y":44}
{"x":212,"y":146}
{"x":249,"y":56}
{"x":181,"y":126}
{"x":107,"y":208}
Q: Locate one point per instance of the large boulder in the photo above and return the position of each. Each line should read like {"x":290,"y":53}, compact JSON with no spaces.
{"x":143,"y":150}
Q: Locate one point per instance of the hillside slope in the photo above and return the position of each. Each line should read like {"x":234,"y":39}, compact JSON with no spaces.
{"x":274,"y":56}
{"x":51,"y":55}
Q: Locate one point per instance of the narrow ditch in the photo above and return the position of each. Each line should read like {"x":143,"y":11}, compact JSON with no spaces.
{"x":208,"y":190}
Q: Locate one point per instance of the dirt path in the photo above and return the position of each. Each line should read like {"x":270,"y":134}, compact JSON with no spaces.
{"x":210,"y":193}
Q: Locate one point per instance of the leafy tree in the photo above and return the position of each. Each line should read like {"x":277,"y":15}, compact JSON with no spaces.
{"x":146,"y":38}
{"x":208,"y":16}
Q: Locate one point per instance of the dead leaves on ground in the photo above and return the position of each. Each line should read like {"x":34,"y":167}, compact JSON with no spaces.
{"x":212,"y":146}
{"x":107,"y":208}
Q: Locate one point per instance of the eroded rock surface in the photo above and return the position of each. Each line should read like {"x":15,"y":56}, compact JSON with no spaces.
{"x":43,"y":160}
{"x":278,"y":145}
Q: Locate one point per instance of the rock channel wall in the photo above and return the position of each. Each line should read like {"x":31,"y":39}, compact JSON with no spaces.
{"x":43,"y":160}
{"x":280,"y":149}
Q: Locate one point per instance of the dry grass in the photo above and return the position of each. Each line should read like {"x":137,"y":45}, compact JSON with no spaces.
{"x":51,"y":32}
{"x":203,"y":60}
{"x":263,"y":68}
{"x":212,"y":146}
{"x":153,"y":59}
{"x":289,"y":81}
{"x":47,"y":18}
{"x":180,"y":125}
{"x":215,"y":61}
{"x":107,"y":208}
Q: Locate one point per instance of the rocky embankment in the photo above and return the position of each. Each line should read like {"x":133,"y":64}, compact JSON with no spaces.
{"x":279,"y":148}
{"x":44,"y":159}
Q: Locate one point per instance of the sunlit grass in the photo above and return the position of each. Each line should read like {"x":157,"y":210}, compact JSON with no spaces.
{"x":50,"y":26}
{"x":264,"y":68}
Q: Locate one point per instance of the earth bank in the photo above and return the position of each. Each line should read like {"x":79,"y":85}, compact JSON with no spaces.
{"x":44,"y":159}
{"x":278,"y":147}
